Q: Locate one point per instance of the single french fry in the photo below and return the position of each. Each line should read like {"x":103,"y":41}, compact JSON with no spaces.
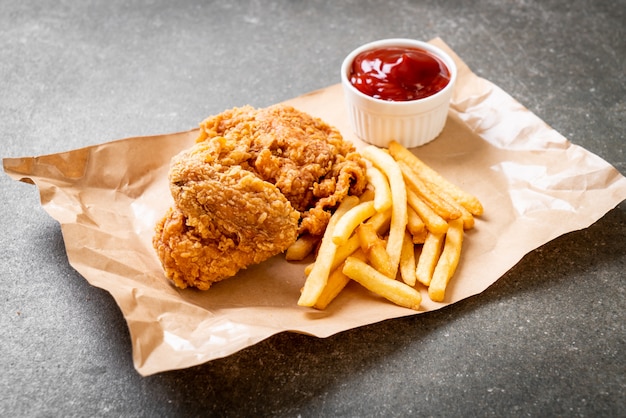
{"x":374,"y":247}
{"x":316,"y":280}
{"x":429,"y":175}
{"x":427,"y":260}
{"x":382,"y":196}
{"x":407,"y":260}
{"x":304,"y":245}
{"x":440,"y":206}
{"x":385,"y":163}
{"x":434,"y":222}
{"x":416,"y":226}
{"x":350,"y":220}
{"x":373,"y":280}
{"x":446,"y":266}
{"x":335,"y":284}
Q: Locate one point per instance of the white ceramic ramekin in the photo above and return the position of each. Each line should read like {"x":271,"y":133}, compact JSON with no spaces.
{"x":411,"y":123}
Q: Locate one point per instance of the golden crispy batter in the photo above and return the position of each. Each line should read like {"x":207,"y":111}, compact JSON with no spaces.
{"x":253,"y":181}
{"x":307,"y":159}
{"x":225,"y":219}
{"x":191,"y":261}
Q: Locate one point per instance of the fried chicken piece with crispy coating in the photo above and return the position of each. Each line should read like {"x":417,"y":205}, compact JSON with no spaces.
{"x":307,"y":159}
{"x":225,"y":219}
{"x":253,"y":181}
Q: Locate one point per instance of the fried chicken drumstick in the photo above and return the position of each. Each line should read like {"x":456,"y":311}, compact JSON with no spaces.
{"x":254,"y":181}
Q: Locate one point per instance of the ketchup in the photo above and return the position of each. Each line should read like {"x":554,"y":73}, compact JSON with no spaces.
{"x":398,"y":74}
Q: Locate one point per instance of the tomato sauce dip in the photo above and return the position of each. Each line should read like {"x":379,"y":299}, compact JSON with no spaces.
{"x":398,"y":73}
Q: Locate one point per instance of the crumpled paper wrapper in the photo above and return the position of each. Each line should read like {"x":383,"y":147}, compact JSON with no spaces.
{"x":533,"y":183}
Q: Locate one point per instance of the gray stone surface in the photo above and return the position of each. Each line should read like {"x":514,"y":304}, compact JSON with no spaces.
{"x":547,"y":339}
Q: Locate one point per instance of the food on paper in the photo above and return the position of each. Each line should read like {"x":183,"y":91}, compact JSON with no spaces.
{"x":254,"y":181}
{"x":259,"y":182}
{"x":430,"y":243}
{"x":135,"y":167}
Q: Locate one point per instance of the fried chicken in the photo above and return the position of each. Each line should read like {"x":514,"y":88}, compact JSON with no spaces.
{"x":254,"y":181}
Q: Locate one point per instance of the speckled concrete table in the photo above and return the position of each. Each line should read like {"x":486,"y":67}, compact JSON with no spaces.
{"x":547,"y":339}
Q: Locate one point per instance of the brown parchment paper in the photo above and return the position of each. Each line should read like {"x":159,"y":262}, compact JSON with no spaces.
{"x":534,"y":185}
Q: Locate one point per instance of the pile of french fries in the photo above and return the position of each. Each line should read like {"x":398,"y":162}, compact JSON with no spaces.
{"x":405,"y":232}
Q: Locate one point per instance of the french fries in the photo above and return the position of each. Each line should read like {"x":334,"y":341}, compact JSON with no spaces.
{"x":434,"y":222}
{"x":316,"y":281}
{"x":404,"y":237}
{"x":446,"y":265}
{"x":440,"y":206}
{"x":435,"y":180}
{"x":380,"y":222}
{"x":384,"y":162}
